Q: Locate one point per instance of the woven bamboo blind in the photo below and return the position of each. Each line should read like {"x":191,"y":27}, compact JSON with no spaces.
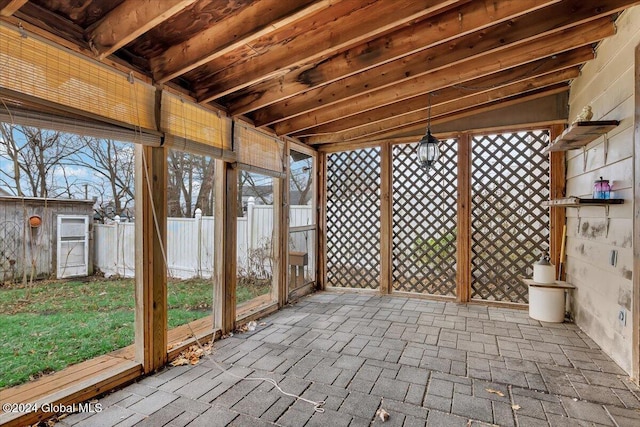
{"x":75,"y":125}
{"x":30,"y":66}
{"x":257,"y":150}
{"x":187,"y":121}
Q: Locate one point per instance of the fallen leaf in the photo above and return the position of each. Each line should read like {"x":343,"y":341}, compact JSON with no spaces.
{"x":515,"y":407}
{"x":382,"y":414}
{"x":498,"y":392}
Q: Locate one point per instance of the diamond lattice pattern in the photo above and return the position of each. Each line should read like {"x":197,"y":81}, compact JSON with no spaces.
{"x":353,"y":219}
{"x":424,"y":221}
{"x":510,"y":179}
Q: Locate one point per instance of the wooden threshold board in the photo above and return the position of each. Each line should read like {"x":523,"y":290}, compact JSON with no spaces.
{"x":74,"y":384}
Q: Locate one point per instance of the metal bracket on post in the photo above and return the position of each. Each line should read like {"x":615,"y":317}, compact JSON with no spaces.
{"x":606,"y":147}
{"x":584,"y":158}
{"x":579,"y":221}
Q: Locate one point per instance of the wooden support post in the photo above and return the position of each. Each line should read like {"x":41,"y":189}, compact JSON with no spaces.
{"x":463,"y":272}
{"x":283,"y":228}
{"x":230,"y":248}
{"x":278,"y":244}
{"x":220,"y":213}
{"x":321,"y":255}
{"x":557,"y":183}
{"x":151,"y":272}
{"x":386,"y":226}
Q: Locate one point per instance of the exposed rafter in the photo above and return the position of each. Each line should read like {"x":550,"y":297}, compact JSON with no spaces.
{"x":489,"y":41}
{"x":257,"y":20}
{"x":128,"y":21}
{"x":364,"y":20}
{"x":581,"y":35}
{"x":9,"y":7}
{"x":405,"y":41}
{"x":549,"y":65}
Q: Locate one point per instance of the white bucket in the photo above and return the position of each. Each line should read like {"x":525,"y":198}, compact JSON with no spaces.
{"x":544,"y":273}
{"x":546,"y":304}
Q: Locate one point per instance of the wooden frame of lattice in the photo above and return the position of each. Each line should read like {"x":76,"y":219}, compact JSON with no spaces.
{"x":510,"y":228}
{"x":424,"y":222}
{"x":353,"y":219}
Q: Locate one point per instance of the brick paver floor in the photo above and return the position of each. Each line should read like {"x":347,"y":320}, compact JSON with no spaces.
{"x":424,"y":362}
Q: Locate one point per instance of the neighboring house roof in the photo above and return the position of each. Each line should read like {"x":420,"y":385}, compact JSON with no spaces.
{"x":4,"y":193}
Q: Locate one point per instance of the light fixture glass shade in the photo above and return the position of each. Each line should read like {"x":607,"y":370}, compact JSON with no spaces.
{"x":428,"y":151}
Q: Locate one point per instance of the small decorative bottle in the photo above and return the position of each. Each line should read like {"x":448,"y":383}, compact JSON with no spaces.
{"x":601,"y":189}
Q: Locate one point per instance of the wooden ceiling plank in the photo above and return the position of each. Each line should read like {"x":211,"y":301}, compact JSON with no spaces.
{"x":509,"y":76}
{"x":456,"y":105}
{"x":408,"y":40}
{"x":129,"y":20}
{"x":502,"y":36}
{"x":256,"y":20}
{"x":9,"y":7}
{"x":365,"y":23}
{"x":419,"y":128}
{"x":487,"y":64}
{"x":52,"y":23}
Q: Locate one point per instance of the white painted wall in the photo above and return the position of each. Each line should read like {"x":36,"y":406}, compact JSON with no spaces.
{"x":607,"y":84}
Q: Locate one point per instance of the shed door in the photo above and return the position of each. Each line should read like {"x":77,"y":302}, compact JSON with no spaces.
{"x":73,"y":246}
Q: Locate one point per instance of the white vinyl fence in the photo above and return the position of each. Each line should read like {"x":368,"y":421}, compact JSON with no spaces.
{"x":189,"y":242}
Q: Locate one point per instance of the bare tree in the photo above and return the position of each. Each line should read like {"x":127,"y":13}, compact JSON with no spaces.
{"x":36,"y":160}
{"x":301,"y":182}
{"x":190,"y":184}
{"x":112,"y":165}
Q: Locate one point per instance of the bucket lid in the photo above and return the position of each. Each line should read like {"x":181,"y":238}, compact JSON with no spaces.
{"x":544,"y":260}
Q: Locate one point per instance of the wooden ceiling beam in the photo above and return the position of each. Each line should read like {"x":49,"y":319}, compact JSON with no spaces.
{"x":419,"y":128}
{"x":541,"y":67}
{"x":369,"y":20}
{"x":502,"y":36}
{"x":128,"y":21}
{"x":438,"y":29}
{"x":582,"y":35}
{"x":256,"y":20}
{"x":9,"y":7}
{"x":450,"y":107}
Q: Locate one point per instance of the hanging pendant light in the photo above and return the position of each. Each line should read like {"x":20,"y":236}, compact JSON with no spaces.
{"x":428,"y":150}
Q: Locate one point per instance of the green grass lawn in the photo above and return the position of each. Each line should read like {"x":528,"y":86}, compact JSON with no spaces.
{"x":50,"y":325}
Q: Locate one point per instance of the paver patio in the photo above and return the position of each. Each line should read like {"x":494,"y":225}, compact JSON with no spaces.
{"x":424,"y":362}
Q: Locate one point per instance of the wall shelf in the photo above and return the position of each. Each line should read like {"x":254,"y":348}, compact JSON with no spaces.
{"x":573,"y":202}
{"x":578,"y":202}
{"x":580,"y":134}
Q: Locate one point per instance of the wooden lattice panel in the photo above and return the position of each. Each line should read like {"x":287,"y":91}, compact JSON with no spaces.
{"x":510,"y":228}
{"x":424,"y":221}
{"x":353,"y":219}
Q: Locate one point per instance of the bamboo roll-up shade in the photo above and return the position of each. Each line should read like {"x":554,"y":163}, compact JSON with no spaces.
{"x":187,"y":121}
{"x":258,"y":150}
{"x":73,"y":125}
{"x":56,"y":75}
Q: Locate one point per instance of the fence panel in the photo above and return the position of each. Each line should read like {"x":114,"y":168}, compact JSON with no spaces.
{"x":190,"y":243}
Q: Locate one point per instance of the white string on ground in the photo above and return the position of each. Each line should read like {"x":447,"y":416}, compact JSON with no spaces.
{"x":317,"y":406}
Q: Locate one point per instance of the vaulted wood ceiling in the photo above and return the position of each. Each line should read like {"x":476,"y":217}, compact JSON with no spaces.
{"x":339,"y":71}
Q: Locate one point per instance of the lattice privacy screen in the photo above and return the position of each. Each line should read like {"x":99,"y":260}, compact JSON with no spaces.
{"x":424,"y":221}
{"x":353,"y":219}
{"x":510,"y":179}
